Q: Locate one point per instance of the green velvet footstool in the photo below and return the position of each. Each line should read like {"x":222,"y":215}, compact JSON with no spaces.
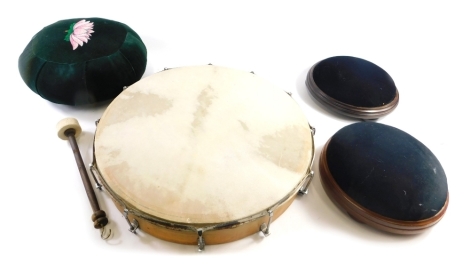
{"x":82,"y":61}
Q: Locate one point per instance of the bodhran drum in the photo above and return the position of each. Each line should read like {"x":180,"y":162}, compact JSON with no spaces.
{"x":203,"y":155}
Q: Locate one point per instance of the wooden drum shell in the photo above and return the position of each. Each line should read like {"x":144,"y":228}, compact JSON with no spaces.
{"x":229,"y":233}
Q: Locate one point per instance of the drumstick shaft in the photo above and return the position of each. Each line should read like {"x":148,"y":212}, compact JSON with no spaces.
{"x":99,"y":216}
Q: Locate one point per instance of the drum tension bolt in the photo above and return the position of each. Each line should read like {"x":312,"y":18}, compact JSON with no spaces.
{"x":265,"y":228}
{"x":200,"y":240}
{"x":307,"y":180}
{"x":132,"y":226}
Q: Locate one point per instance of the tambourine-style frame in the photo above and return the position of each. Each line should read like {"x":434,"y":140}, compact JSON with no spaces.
{"x":363,"y":215}
{"x":220,"y":225}
{"x":202,"y":234}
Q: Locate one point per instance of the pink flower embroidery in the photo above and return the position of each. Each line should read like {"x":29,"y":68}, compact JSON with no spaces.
{"x":79,"y":33}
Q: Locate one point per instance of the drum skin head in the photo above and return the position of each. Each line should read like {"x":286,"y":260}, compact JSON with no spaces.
{"x":353,"y":87}
{"x":82,"y":61}
{"x":200,"y":146}
{"x":384,"y":177}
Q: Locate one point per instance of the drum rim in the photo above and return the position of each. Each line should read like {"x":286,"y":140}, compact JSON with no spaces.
{"x":194,"y":227}
{"x":366,"y":216}
{"x":366,"y":113}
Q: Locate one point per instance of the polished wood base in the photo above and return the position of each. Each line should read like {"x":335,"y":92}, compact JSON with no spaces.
{"x":363,"y":215}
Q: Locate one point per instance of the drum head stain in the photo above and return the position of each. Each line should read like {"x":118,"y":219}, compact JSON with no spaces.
{"x":287,"y":140}
{"x":204,"y":102}
{"x":244,"y":126}
{"x":140,"y":105}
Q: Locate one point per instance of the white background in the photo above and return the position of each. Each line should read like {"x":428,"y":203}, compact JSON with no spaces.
{"x":423,"y":45}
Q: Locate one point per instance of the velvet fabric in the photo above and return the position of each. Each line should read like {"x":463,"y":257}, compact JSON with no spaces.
{"x":113,"y":57}
{"x":387,"y":171}
{"x":354,"y":81}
